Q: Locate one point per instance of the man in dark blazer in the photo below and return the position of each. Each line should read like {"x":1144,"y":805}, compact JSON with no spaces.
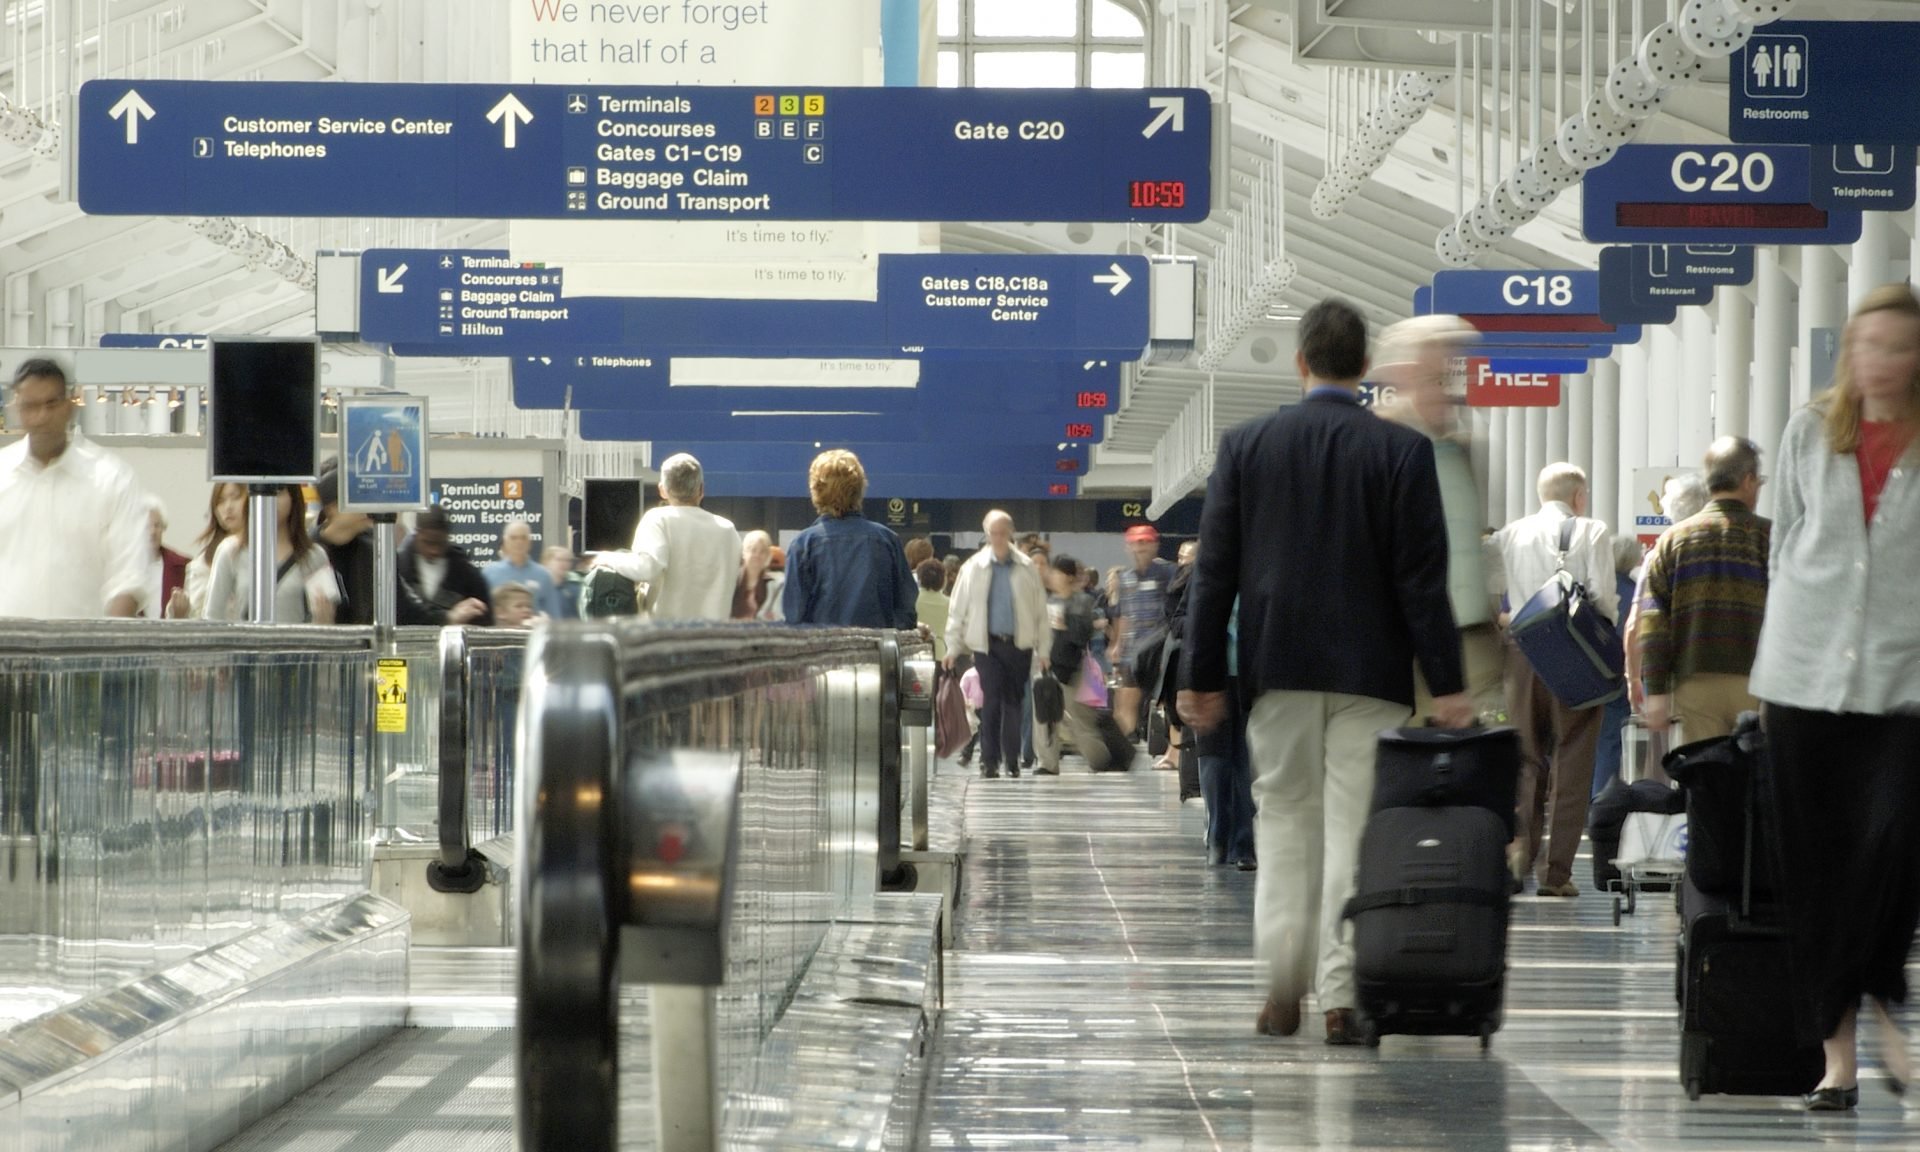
{"x":1325,"y":522}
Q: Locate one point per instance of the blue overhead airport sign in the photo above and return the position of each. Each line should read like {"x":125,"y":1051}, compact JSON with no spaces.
{"x":623,"y":380}
{"x":1532,"y":292}
{"x":151,"y":340}
{"x":1618,"y":300}
{"x":1709,"y":194}
{"x":844,"y":423}
{"x":566,"y":152}
{"x":1826,"y":82}
{"x":1876,"y":177}
{"x":1544,"y":308}
{"x":444,"y":302}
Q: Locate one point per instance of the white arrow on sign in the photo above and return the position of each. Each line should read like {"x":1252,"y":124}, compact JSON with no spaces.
{"x":132,"y":108}
{"x":389,"y":279}
{"x":510,"y":114}
{"x":1119,"y":279}
{"x":1172,"y":108}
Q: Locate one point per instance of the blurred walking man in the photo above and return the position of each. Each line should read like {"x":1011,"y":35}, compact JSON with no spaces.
{"x":1342,"y":583}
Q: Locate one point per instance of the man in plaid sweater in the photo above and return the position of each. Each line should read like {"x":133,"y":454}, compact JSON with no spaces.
{"x":1706,"y":597}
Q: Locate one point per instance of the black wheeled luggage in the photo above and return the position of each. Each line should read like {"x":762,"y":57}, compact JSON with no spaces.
{"x":1448,"y":768}
{"x":1737,"y":1008}
{"x":1739,"y":1015}
{"x":1429,"y":916}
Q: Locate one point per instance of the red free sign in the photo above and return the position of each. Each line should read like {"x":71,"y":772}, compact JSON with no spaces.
{"x":1489,"y":389}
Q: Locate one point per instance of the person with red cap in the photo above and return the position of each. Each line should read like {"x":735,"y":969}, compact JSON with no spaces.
{"x":1143,"y":611}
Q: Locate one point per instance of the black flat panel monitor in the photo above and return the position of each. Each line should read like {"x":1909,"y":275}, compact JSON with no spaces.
{"x":611,"y":513}
{"x":264,"y":411}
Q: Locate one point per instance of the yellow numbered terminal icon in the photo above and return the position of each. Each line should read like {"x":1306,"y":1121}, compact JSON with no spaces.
{"x":789,"y":105}
{"x":816,"y":105}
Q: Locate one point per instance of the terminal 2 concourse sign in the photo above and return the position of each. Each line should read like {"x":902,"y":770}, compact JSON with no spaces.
{"x":565,"y":152}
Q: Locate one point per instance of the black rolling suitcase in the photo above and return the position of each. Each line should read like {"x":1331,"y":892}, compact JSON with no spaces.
{"x":1738,"y":1012}
{"x":1429,"y":916}
{"x":1119,"y":748}
{"x":1431,"y":896}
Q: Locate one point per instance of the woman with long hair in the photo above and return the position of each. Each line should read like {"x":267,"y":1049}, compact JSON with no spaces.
{"x":1838,"y":671}
{"x":226,"y":516}
{"x":305,"y":591}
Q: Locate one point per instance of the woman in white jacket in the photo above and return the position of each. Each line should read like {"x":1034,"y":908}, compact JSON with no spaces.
{"x":999,"y":614}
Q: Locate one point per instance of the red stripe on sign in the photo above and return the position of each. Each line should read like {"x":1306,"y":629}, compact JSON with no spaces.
{"x":1578,"y":322}
{"x":1489,"y":389}
{"x":1719,"y":216}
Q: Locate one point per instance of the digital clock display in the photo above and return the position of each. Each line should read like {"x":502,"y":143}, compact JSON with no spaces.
{"x":1079,"y":431}
{"x":1066,"y":465}
{"x":1157,"y":193}
{"x":1090,"y":400}
{"x":1704,"y":216}
{"x":1059,"y":489}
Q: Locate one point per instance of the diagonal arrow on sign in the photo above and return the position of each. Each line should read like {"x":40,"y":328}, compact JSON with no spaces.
{"x":510,"y":113}
{"x":389,"y":279}
{"x":1119,"y":279}
{"x":132,"y":108}
{"x":1172,"y":108}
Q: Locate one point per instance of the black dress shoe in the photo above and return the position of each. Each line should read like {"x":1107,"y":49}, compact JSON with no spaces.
{"x":1247,"y":865}
{"x":1833,"y":1099}
{"x":1013,"y":771}
{"x":991,"y":772}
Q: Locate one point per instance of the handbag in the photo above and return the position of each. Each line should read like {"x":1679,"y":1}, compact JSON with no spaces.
{"x":950,"y":729}
{"x":1093,"y":684}
{"x":607,"y":593}
{"x":1569,"y":642}
{"x":1049,"y":701}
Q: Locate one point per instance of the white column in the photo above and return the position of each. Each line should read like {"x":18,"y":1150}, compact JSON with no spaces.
{"x":1665,"y":366}
{"x":1536,"y":422}
{"x":1913,"y":247}
{"x":1870,"y":264}
{"x":1697,"y":352}
{"x":1733,"y":356}
{"x":1577,"y":402}
{"x":1518,"y":482}
{"x":1559,"y":428}
{"x":1633,"y":417}
{"x":1823,"y":304}
{"x":1490,"y":460}
{"x":1604,"y":476}
{"x":1772,"y":353}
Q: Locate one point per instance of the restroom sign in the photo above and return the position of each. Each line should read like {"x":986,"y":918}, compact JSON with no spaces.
{"x":1489,"y":388}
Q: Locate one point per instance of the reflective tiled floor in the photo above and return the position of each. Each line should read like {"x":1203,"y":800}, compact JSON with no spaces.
{"x":1102,"y":997}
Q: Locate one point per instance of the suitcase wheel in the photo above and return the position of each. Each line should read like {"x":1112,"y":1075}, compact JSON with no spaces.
{"x":1693,"y":1090}
{"x":1633,"y":901}
{"x":1486,"y":1035}
{"x":1617,"y":904}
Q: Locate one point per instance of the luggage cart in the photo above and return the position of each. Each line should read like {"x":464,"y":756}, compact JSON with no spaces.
{"x":1653,"y":846}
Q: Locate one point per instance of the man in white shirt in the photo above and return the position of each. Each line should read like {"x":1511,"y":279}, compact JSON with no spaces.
{"x":1557,"y":743}
{"x":73,"y":525}
{"x":688,"y":558}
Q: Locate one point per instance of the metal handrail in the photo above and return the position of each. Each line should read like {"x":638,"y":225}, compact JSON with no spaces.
{"x":124,"y":637}
{"x":460,"y":868}
{"x":587,"y":688}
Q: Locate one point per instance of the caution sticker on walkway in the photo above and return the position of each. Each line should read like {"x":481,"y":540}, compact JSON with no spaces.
{"x":390,"y":696}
